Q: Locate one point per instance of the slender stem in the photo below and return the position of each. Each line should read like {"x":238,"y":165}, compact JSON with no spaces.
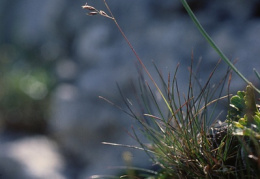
{"x":138,"y":58}
{"x":257,"y":74}
{"x":214,"y":46}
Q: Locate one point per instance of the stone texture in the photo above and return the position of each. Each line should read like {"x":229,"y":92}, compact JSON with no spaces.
{"x":30,"y":158}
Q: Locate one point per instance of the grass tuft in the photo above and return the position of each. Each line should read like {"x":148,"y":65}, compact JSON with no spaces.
{"x":186,"y":139}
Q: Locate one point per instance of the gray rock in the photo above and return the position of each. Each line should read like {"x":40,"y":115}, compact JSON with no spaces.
{"x":31,"y":158}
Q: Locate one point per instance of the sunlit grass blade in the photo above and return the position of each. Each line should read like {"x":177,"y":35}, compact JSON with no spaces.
{"x":103,"y":177}
{"x":127,"y":146}
{"x":134,"y":168}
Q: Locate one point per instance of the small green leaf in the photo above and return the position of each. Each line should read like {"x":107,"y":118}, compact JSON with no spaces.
{"x":257,"y":118}
{"x":243,"y":121}
{"x":238,"y":125}
{"x":237,"y":104}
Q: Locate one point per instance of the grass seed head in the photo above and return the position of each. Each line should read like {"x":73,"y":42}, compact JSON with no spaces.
{"x":103,"y":13}
{"x":93,"y":13}
{"x":91,"y":8}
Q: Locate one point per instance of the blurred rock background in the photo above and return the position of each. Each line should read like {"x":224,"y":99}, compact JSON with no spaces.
{"x":55,"y":61}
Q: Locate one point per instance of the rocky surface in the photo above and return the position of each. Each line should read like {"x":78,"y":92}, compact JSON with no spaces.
{"x":88,"y":57}
{"x":34,"y":157}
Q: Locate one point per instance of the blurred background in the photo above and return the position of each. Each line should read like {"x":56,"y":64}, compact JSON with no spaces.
{"x":55,"y":61}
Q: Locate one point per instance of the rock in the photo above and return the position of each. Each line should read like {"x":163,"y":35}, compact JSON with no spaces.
{"x":30,"y":158}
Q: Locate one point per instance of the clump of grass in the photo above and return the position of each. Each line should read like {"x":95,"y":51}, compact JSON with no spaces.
{"x":186,"y":140}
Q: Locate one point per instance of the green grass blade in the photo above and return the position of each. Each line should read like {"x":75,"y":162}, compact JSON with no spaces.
{"x":213,"y":45}
{"x":257,"y":73}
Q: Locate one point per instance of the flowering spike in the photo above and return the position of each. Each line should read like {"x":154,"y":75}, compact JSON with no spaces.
{"x":92,"y":13}
{"x":103,"y":13}
{"x":91,"y":8}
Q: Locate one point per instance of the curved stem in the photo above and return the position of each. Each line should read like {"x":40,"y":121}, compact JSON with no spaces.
{"x":139,"y":59}
{"x":213,"y":45}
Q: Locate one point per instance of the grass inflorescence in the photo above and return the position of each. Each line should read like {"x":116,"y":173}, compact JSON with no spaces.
{"x":185,"y":139}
